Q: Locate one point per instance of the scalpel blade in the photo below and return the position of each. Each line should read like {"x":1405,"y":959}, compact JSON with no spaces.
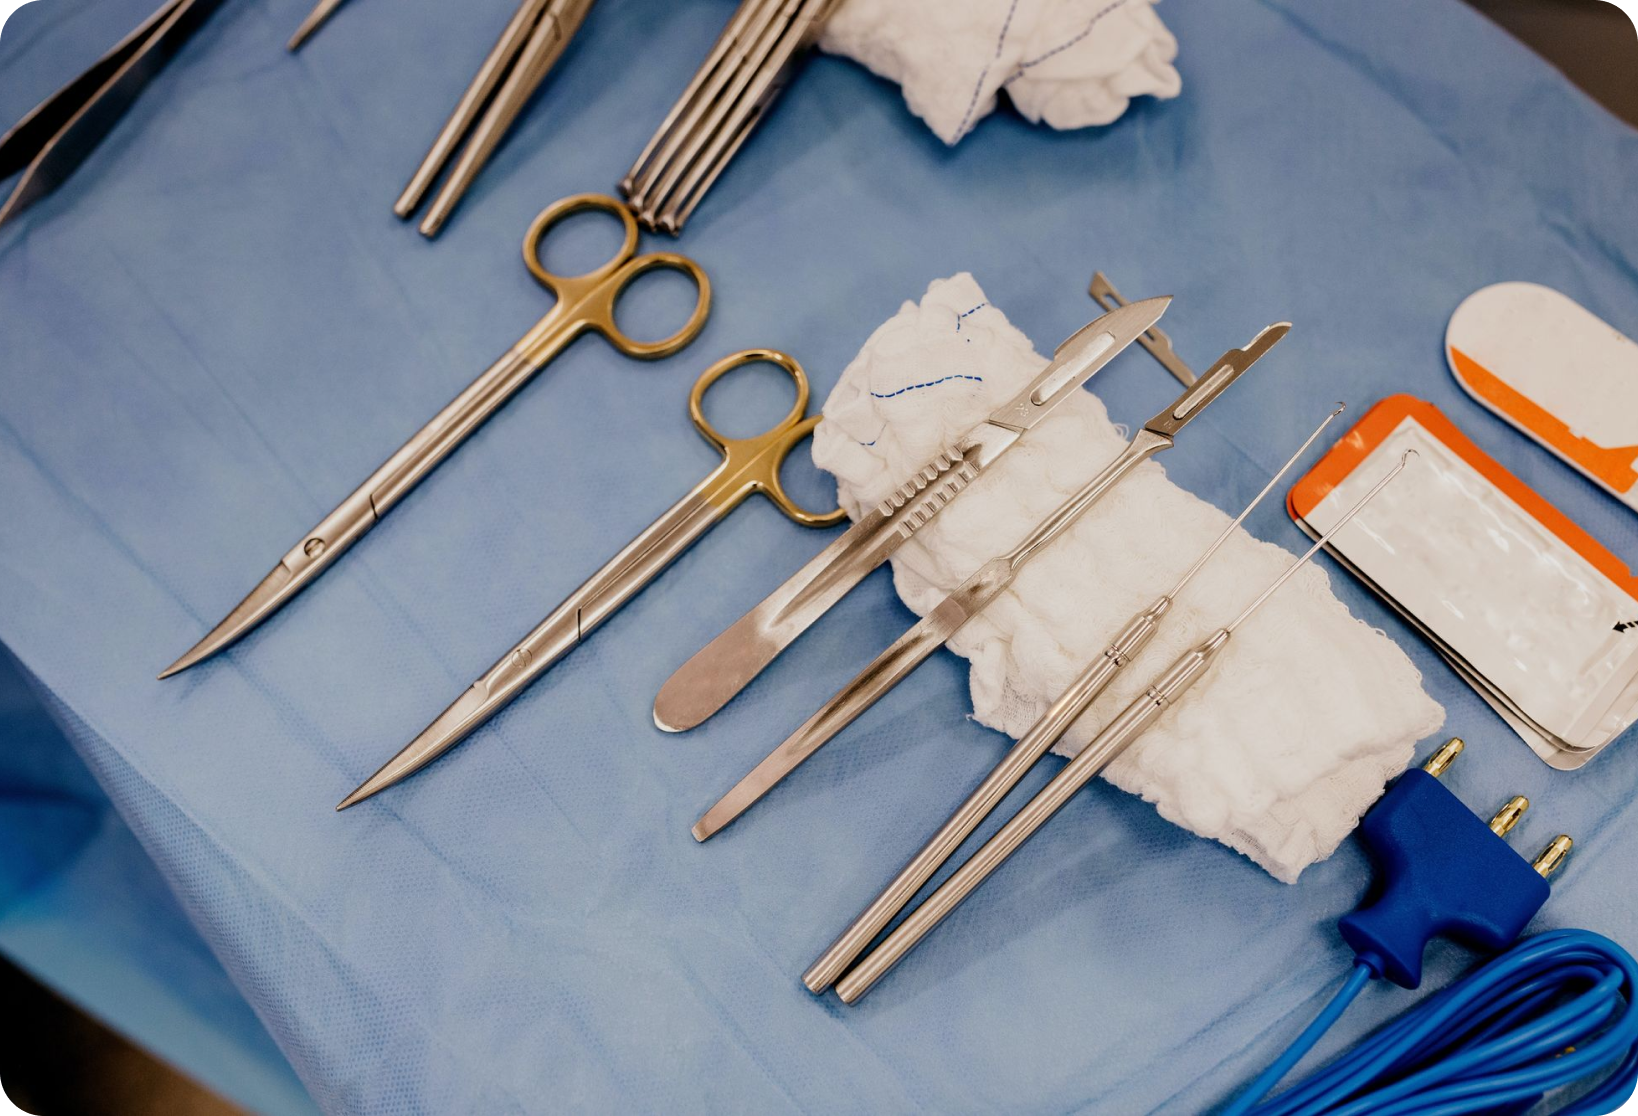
{"x":709,"y":680}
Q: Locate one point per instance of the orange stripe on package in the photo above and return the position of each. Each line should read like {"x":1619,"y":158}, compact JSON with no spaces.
{"x":1557,"y":372}
{"x":1533,"y":612}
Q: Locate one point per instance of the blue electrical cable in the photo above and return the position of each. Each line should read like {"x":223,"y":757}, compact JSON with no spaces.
{"x":1552,"y":1011}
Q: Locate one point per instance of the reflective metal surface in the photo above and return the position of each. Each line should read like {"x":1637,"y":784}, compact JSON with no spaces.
{"x":986,"y":584}
{"x":1111,"y":741}
{"x":57,"y":135}
{"x":1154,"y":339}
{"x":519,"y":61}
{"x":747,"y":67}
{"x":1064,"y":712}
{"x":321,"y":13}
{"x":584,"y":302}
{"x":749,"y":465}
{"x":706,"y":682}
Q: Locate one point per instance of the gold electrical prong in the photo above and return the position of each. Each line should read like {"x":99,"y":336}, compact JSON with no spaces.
{"x":1508,"y":816}
{"x":1552,"y":857}
{"x":1439,"y":762}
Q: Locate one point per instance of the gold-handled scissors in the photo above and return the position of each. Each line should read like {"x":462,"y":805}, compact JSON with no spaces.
{"x":584,"y":302}
{"x":748,"y":465}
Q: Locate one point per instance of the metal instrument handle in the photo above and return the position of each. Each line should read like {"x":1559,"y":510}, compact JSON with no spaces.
{"x":752,"y":464}
{"x":1116,"y":737}
{"x":588,"y":301}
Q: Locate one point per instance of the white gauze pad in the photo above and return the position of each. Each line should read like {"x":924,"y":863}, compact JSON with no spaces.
{"x":1306,"y":714}
{"x":1069,"y":63}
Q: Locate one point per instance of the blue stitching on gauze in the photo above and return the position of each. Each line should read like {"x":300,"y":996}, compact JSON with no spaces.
{"x":979,"y":85}
{"x":1087,"y":30}
{"x":969,"y":314}
{"x":929,"y":383}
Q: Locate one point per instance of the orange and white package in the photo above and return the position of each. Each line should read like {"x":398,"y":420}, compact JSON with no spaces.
{"x":1552,"y":368}
{"x":1532,"y":611}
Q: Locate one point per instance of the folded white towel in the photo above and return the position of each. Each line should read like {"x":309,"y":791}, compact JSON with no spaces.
{"x":1306,"y":714}
{"x":1071,"y":63}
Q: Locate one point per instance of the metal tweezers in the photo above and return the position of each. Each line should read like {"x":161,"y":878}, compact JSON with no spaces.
{"x":749,"y":64}
{"x":52,"y":141}
{"x":518,"y":63}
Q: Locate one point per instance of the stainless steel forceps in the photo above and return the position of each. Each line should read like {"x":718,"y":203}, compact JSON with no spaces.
{"x":748,"y":66}
{"x":519,"y":61}
{"x":583,"y":302}
{"x":748,"y":465}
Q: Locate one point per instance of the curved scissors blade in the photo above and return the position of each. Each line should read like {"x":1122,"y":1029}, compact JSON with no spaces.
{"x":599,"y":597}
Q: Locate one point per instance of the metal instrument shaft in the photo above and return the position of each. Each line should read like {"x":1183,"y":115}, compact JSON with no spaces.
{"x":1064,"y":712}
{"x":710,"y":679}
{"x":980,"y":589}
{"x":749,"y":465}
{"x":1114,"y":739}
{"x":583,"y":303}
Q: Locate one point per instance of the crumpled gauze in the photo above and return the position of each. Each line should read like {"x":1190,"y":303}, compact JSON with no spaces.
{"x":1070,"y":63}
{"x":1307,"y":712}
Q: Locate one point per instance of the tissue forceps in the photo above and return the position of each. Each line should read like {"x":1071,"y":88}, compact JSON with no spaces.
{"x":519,"y":61}
{"x":975,"y":594}
{"x":709,"y":680}
{"x":747,"y":67}
{"x":1115,"y":737}
{"x":583,"y":303}
{"x":59,"y":133}
{"x":1076,"y":699}
{"x":748,"y":465}
{"x":321,"y":13}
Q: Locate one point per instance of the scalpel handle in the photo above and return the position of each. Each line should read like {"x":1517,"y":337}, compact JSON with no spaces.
{"x":726,"y":665}
{"x":1023,"y":755}
{"x":889,"y":669}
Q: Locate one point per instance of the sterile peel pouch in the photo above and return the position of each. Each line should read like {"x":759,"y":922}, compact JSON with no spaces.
{"x":1532,"y":611}
{"x":1552,"y":368}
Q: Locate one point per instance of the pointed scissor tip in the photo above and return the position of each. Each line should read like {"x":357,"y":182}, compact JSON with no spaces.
{"x":354,"y":799}
{"x":194,"y":655}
